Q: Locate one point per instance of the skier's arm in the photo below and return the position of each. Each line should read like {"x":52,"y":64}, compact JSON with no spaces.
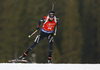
{"x":57,"y":20}
{"x":39,"y":23}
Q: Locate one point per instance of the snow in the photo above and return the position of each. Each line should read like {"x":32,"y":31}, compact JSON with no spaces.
{"x":34,"y":66}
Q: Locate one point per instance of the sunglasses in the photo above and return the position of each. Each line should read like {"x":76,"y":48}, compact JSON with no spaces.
{"x":51,"y":16}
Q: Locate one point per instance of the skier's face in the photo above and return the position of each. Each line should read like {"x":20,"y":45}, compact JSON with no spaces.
{"x":51,"y":17}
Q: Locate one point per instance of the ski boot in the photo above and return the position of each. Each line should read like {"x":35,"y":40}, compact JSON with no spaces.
{"x":23,"y":56}
{"x":49,"y":60}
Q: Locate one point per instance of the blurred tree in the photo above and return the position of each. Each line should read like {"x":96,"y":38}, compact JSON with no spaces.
{"x":89,"y":30}
{"x":71,"y":35}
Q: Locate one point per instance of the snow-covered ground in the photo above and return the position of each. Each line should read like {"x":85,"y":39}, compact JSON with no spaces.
{"x":27,"y":66}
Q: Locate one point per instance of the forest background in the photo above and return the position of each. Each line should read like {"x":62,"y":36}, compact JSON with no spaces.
{"x":78,"y":35}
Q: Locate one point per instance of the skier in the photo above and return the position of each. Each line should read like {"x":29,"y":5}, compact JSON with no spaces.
{"x":48,"y":30}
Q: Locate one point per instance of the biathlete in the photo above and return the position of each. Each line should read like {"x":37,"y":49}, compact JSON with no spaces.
{"x":48,"y":30}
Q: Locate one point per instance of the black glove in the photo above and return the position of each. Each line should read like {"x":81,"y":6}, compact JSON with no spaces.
{"x":38,"y":28}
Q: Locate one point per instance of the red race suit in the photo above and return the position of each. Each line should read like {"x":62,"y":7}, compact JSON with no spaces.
{"x":48,"y":26}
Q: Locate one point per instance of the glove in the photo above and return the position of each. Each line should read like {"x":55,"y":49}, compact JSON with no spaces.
{"x":38,"y":28}
{"x":54,"y":34}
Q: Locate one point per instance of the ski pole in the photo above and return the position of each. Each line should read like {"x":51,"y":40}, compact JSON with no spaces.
{"x":55,"y":31}
{"x":32,"y":33}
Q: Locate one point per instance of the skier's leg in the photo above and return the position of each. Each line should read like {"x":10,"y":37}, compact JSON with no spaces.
{"x":36,"y":41}
{"x":50,"y":43}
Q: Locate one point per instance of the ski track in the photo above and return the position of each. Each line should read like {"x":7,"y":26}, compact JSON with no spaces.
{"x":34,"y":66}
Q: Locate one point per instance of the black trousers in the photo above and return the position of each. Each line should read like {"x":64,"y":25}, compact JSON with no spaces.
{"x":50,"y":38}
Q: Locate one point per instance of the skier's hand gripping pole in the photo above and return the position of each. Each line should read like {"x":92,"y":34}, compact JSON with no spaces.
{"x":32,"y":33}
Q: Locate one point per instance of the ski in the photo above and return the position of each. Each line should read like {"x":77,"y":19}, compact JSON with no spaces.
{"x":16,"y":60}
